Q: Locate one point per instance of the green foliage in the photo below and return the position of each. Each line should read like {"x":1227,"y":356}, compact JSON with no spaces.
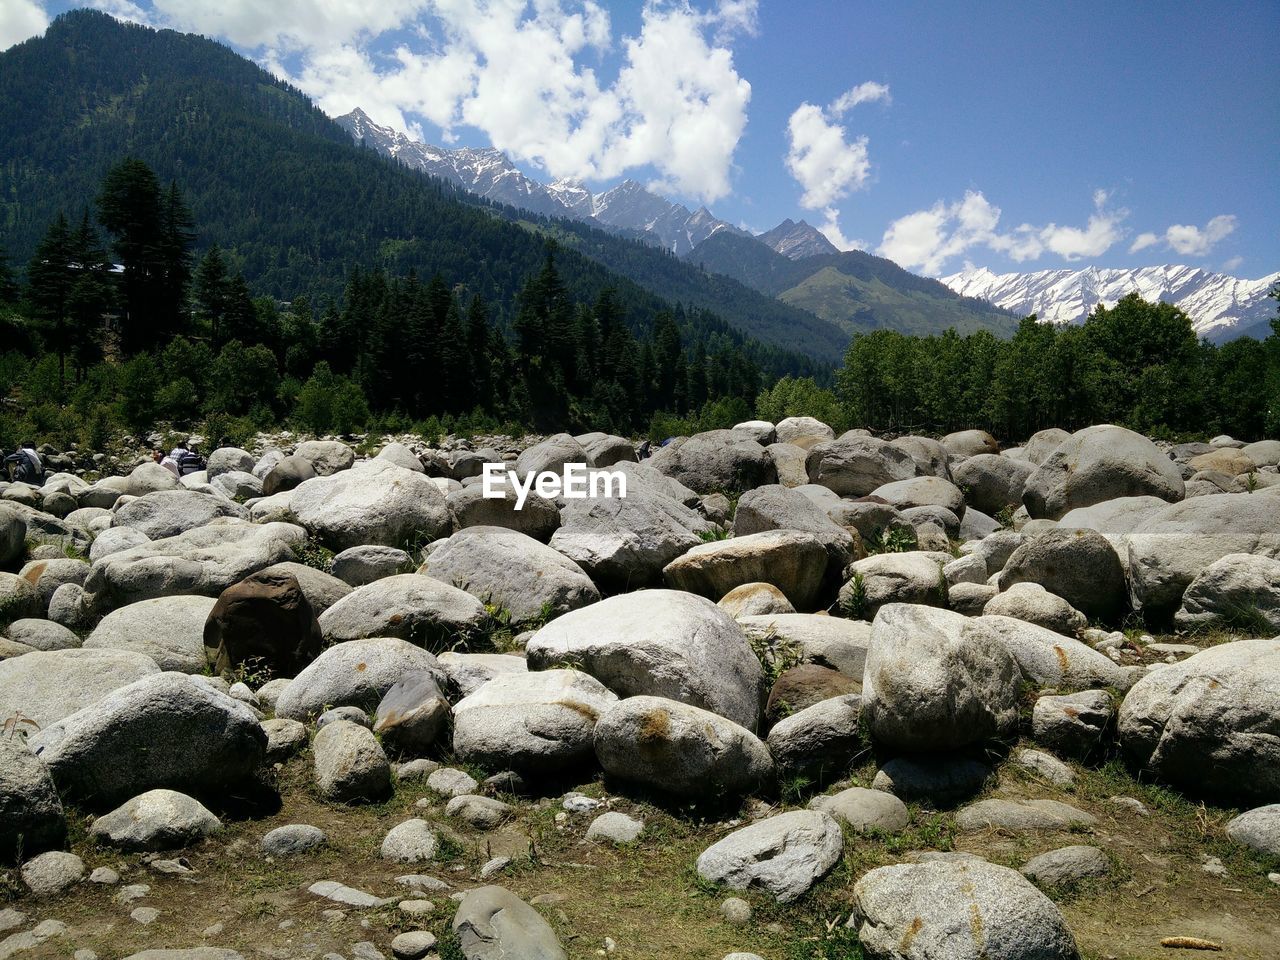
{"x":330,"y":404}
{"x":1137,"y":364}
{"x":802,"y":397}
{"x":854,"y":605}
{"x":892,"y":540}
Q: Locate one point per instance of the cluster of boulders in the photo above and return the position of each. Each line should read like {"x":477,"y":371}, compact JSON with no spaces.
{"x":765,"y":604}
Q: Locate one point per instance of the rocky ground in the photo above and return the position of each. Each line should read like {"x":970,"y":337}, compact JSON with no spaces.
{"x":796,"y":696}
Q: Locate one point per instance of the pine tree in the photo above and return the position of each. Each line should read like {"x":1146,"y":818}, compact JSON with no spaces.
{"x":50,"y":277}
{"x":240,"y":321}
{"x":8,"y":285}
{"x":131,"y":209}
{"x":91,"y":294}
{"x":177,"y":235}
{"x":211,"y":293}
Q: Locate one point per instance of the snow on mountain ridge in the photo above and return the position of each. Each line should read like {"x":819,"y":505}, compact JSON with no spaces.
{"x":489,"y":173}
{"x":1220,"y":306}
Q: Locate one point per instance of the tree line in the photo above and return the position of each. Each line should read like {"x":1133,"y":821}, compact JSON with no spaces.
{"x":117,"y":323}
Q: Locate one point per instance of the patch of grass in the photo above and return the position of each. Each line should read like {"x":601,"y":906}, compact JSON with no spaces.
{"x":894,"y":540}
{"x":714,"y":534}
{"x":314,"y":554}
{"x":855,"y":605}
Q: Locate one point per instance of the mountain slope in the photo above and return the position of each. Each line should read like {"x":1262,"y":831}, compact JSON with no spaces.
{"x":854,"y":290}
{"x":796,"y":241}
{"x":628,"y":208}
{"x":296,"y":204}
{"x":1221,"y":307}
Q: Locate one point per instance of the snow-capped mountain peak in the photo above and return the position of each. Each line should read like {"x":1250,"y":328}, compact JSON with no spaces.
{"x":1221,"y":307}
{"x":797,"y":240}
{"x":489,"y":172}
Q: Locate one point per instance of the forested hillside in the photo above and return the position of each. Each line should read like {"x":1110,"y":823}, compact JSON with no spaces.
{"x":295,"y":206}
{"x":856,"y":291}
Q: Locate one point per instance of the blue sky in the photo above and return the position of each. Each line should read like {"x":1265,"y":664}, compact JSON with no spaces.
{"x":1014,"y":136}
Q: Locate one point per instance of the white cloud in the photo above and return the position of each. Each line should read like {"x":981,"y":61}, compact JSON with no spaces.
{"x":20,"y":20}
{"x":1232,"y":264}
{"x":1142,"y":241}
{"x":1188,"y":240}
{"x":821,"y":160}
{"x":862,"y":93}
{"x":830,"y":228}
{"x":521,"y":72}
{"x":927,"y":239}
{"x":1193,"y":241}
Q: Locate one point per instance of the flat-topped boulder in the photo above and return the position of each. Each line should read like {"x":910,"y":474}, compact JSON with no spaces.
{"x":47,"y":686}
{"x":423,"y":610}
{"x":374,"y":503}
{"x":662,"y":643}
{"x":792,"y":561}
{"x":204,"y":561}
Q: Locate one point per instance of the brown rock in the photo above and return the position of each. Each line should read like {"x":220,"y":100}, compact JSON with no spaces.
{"x":805,"y":685}
{"x":264,"y":618}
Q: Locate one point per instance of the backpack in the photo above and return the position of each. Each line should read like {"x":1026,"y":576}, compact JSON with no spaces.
{"x":189,"y":462}
{"x":31,"y":469}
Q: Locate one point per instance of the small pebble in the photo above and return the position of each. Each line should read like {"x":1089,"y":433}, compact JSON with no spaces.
{"x":413,"y":945}
{"x":83,"y":954}
{"x":1214,"y":866}
{"x":333,"y":916}
{"x":364,"y":950}
{"x":496,"y":865}
{"x":10,"y":918}
{"x":577,"y":803}
{"x":104,"y":875}
{"x":213,"y":931}
{"x":134,"y":891}
{"x":145,"y":915}
{"x":416,"y":908}
{"x":736,"y":910}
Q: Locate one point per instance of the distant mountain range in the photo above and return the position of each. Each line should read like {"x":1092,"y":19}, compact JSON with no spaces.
{"x":793,"y":262}
{"x":628,"y":208}
{"x":1221,"y":307}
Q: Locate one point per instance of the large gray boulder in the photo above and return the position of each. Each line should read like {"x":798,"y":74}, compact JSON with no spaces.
{"x":624,"y":542}
{"x":785,"y":854}
{"x":854,"y":465}
{"x":401,"y":456}
{"x":167,"y":513}
{"x":166,"y":730}
{"x":550,"y":455}
{"x":287,"y":475}
{"x":492,"y":923}
{"x":466,"y":673}
{"x":922,"y":492}
{"x":13,"y":535}
{"x":1177,"y":544}
{"x":1042,"y":443}
{"x":357,"y":673}
{"x":203,"y":561}
{"x":912,"y":577}
{"x":1078,"y":565}
{"x":1034,"y":604}
{"x":412,"y":714}
{"x":803,"y":431}
{"x":1074,"y":724}
{"x":864,"y":809}
{"x":794,"y":562}
{"x":1100,"y":463}
{"x":717,"y":461}
{"x":423,"y":610}
{"x":326,"y":457}
{"x":936,"y":680}
{"x":512,"y":571}
{"x":931,"y":456}
{"x":156,"y":820}
{"x":169,"y":630}
{"x":680,"y":750}
{"x":1238,"y":590}
{"x":537,"y":724}
{"x":812,"y":638}
{"x":48,"y":686}
{"x":660,"y":643}
{"x":957,"y":909}
{"x":46,"y":576}
{"x":376,"y":502}
{"x":992,"y":483}
{"x":1210,"y":725}
{"x":1258,"y":829}
{"x":606,"y":449}
{"x":42,"y":635}
{"x":349,"y":764}
{"x":31,"y":815}
{"x":148,"y":478}
{"x":775,"y":507}
{"x":113,"y":540}
{"x":469,"y":507}
{"x":357,"y":566}
{"x":820,"y":741}
{"x":19,"y":600}
{"x":1051,"y":659}
{"x":970,"y":443}
{"x":230,"y":460}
